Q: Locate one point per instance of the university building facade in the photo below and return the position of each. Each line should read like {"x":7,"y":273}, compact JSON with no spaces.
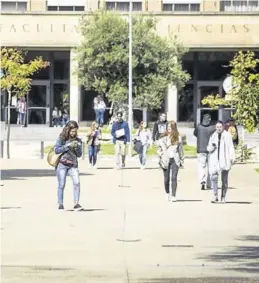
{"x":212,"y":30}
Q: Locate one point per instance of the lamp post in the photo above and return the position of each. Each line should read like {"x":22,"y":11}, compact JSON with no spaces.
{"x":130,"y":114}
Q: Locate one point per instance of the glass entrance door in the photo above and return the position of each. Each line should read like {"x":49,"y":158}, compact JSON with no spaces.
{"x":38,"y":101}
{"x":204,"y":89}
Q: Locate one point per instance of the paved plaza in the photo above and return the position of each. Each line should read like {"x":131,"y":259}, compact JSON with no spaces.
{"x":128,"y":232}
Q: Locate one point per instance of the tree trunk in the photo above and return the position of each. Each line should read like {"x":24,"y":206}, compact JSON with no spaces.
{"x":8,"y":124}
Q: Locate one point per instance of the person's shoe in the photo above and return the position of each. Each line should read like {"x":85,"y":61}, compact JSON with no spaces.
{"x":90,"y":166}
{"x":223,"y":200}
{"x":61,"y":207}
{"x":142,"y":167}
{"x":173,"y":199}
{"x":118,"y":167}
{"x":78,"y":207}
{"x":95,"y":167}
{"x":216,"y":200}
{"x":123,"y":165}
{"x":202,"y":186}
{"x":167,"y":198}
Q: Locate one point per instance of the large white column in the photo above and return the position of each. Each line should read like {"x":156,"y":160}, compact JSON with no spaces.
{"x":74,"y":89}
{"x":172,"y":103}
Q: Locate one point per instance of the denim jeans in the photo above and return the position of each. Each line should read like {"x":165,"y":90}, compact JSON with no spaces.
{"x":22,"y":118}
{"x":214,"y":183}
{"x":100,"y":115}
{"x":92,"y":154}
{"x":62,"y":172}
{"x":143,"y":155}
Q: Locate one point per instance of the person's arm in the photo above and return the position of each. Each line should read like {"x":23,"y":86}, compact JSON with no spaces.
{"x":113,"y":130}
{"x":211,"y":145}
{"x":195,"y":132}
{"x":155,"y":129}
{"x":60,"y":147}
{"x":127,"y":132}
{"x":78,"y":148}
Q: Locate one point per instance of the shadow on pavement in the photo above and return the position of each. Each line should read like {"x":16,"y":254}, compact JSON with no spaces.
{"x":87,"y":210}
{"x":23,"y":174}
{"x":10,"y":207}
{"x":238,"y":202}
{"x":188,"y":200}
{"x":199,"y":280}
{"x":242,"y":258}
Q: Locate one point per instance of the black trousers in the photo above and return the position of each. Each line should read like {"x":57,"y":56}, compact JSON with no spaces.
{"x":173,"y":171}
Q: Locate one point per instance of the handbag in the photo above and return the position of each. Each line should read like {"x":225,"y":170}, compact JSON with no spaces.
{"x":53,"y":158}
{"x":137,"y":146}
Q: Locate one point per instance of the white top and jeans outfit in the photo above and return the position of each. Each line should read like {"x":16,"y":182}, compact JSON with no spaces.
{"x":221,"y":157}
{"x":171,"y":159}
{"x":145,"y":137}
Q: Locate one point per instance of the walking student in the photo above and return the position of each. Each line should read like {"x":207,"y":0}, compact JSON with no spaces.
{"x":101,"y":106}
{"x":121,"y":136}
{"x":93,"y":142}
{"x":203,"y":133}
{"x":144,"y":136}
{"x":170,"y":152}
{"x":159,"y":127}
{"x":221,"y":158}
{"x":70,"y":146}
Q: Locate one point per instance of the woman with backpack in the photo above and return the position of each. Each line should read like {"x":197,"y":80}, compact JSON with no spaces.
{"x":70,"y":148}
{"x":144,"y":138}
{"x":93,"y":141}
{"x":170,"y":152}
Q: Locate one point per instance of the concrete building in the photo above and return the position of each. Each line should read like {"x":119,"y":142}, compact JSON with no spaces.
{"x":213,"y":30}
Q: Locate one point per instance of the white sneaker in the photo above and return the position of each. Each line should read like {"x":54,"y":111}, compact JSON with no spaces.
{"x":167,"y":197}
{"x":95,"y":167}
{"x":173,"y":199}
{"x":90,"y":166}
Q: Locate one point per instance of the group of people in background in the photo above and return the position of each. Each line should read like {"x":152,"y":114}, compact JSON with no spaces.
{"x":215,"y":148}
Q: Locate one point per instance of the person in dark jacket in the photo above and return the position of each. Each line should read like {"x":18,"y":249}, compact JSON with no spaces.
{"x":70,"y":148}
{"x":121,"y":135}
{"x":203,"y":133}
{"x":159,"y":127}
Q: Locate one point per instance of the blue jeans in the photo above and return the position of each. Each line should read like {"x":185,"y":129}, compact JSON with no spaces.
{"x":100,"y":115}
{"x":62,"y":172}
{"x":92,"y":154}
{"x":143,"y":155}
{"x":22,"y":118}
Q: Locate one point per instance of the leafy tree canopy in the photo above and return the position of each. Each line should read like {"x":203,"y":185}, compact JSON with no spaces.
{"x":16,"y":73}
{"x":244,"y":97}
{"x":103,"y":59}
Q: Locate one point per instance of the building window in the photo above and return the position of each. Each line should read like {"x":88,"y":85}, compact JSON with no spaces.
{"x":181,"y":7}
{"x":13,"y":6}
{"x":239,"y":6}
{"x":123,"y":6}
{"x":66,"y":8}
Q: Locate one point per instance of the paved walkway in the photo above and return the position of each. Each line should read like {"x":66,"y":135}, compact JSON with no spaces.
{"x":128,"y":233}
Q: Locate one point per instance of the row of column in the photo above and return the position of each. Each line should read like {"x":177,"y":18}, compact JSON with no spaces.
{"x":75,"y":95}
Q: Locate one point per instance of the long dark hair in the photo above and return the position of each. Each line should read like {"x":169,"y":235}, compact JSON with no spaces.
{"x":69,"y":126}
{"x":174,"y":134}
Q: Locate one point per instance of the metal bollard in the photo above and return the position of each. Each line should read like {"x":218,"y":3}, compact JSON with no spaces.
{"x":42,"y":149}
{"x":1,"y":149}
{"x":83,"y":150}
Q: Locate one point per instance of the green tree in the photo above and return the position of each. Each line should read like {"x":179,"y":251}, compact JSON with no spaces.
{"x":103,"y":59}
{"x":245,"y":96}
{"x":16,"y":77}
